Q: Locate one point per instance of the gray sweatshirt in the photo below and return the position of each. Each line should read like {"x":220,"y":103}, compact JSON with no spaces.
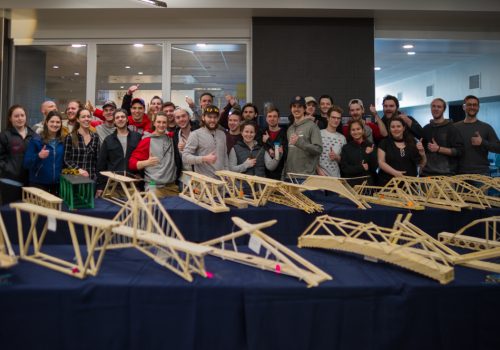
{"x":202,"y":142}
{"x":303,"y":157}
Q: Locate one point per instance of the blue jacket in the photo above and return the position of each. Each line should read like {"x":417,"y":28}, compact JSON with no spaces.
{"x":44,"y":171}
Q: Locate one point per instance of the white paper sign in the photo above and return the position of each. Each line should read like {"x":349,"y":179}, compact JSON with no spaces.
{"x":51,"y":223}
{"x":254,"y":244}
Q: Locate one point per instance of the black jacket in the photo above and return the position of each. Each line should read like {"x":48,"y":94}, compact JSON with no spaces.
{"x":12,"y":148}
{"x":111,"y":155}
{"x":283,"y":141}
{"x":353,"y":155}
{"x":415,"y":129}
{"x":445,"y":135}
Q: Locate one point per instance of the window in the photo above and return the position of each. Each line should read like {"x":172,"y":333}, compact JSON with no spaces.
{"x":43,"y":73}
{"x":120,"y":66}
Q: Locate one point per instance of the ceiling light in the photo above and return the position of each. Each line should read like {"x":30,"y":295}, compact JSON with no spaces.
{"x":122,"y":87}
{"x":55,"y":67}
{"x":411,"y":53}
{"x":78,"y":45}
{"x":140,"y":73}
{"x":408,"y":46}
{"x":127,"y":67}
{"x":201,"y":45}
{"x":377,"y":68}
{"x":76,"y":73}
{"x":158,"y":3}
{"x":139,"y":45}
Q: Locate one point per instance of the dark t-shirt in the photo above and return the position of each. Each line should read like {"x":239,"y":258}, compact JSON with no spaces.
{"x":231,"y":140}
{"x":405,"y":159}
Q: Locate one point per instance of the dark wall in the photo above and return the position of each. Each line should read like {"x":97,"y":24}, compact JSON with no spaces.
{"x":311,"y":57}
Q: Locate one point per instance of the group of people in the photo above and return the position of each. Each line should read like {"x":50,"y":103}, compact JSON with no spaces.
{"x":159,"y":144}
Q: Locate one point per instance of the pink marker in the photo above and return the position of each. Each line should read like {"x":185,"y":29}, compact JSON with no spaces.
{"x":278,"y":268}
{"x":209,"y":274}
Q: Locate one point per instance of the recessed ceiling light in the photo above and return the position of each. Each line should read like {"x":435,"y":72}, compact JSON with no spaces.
{"x":201,"y":45}
{"x":122,"y":87}
{"x":408,"y":46}
{"x":377,"y":68}
{"x":140,"y":73}
{"x":76,"y":73}
{"x":127,"y":67}
{"x":139,"y":45}
{"x":411,"y":53}
{"x":78,"y":45}
{"x":55,"y":67}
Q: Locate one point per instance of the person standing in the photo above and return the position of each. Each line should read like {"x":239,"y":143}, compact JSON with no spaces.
{"x":206,"y":147}
{"x":479,"y":138}
{"x":108,"y":127}
{"x":333,"y":142}
{"x":45,"y":155}
{"x":444,"y":143}
{"x":275,"y":142}
{"x":81,"y":146}
{"x":304,"y":141}
{"x":157,"y":156}
{"x":13,"y":143}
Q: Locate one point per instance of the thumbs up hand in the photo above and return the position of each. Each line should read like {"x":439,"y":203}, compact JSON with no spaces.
{"x":433,"y":146}
{"x":369,"y":149}
{"x":476,"y":140}
{"x":44,"y":153}
{"x":420,"y":147}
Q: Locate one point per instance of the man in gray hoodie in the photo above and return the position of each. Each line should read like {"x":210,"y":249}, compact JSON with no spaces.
{"x":304,"y":141}
{"x":206,"y":147}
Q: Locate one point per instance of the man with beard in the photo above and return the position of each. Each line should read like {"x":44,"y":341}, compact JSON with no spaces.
{"x":479,"y":139}
{"x":444,"y":142}
{"x":168,"y":108}
{"x":157,"y":156}
{"x":116,"y":149}
{"x":304,"y":141}
{"x":390,"y":106}
{"x":206,"y":147}
{"x":71,"y":110}
{"x":184,"y":128}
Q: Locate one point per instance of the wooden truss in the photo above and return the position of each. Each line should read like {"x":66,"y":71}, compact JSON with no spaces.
{"x":84,"y":263}
{"x":395,"y":246}
{"x":485,"y":184}
{"x":470,"y":194}
{"x":332,"y":184}
{"x":145,"y":225}
{"x":42,"y":198}
{"x":471,"y":260}
{"x":203,"y":191}
{"x":7,"y":256}
{"x":487,"y":238}
{"x":273,"y":257}
{"x":118,"y":186}
{"x":257,"y":191}
{"x":388,"y":196}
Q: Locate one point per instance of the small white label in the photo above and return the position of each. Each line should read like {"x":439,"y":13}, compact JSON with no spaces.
{"x":254,"y":244}
{"x":51,"y":223}
{"x":369,"y":258}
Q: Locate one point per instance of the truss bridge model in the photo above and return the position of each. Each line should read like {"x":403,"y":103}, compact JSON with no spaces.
{"x":486,"y":184}
{"x":268,"y":254}
{"x":400,"y":247}
{"x":416,"y":193}
{"x":333,"y":184}
{"x":42,"y":198}
{"x":203,"y":191}
{"x":7,"y":256}
{"x":119,"y":186}
{"x":470,"y":194}
{"x":257,"y":191}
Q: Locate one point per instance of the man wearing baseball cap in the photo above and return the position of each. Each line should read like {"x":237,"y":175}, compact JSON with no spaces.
{"x":108,"y":127}
{"x":304,"y":141}
{"x":206,"y":147}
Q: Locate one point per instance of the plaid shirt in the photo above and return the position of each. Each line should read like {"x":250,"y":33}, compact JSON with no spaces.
{"x":83,"y":156}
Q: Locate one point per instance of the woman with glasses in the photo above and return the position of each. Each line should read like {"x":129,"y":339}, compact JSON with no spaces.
{"x":45,"y":154}
{"x":399,"y":154}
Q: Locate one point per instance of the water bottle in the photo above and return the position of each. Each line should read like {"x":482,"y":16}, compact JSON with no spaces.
{"x":152,"y":187}
{"x":277,"y":150}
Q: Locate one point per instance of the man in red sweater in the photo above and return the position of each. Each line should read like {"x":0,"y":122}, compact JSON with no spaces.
{"x":138,"y":120}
